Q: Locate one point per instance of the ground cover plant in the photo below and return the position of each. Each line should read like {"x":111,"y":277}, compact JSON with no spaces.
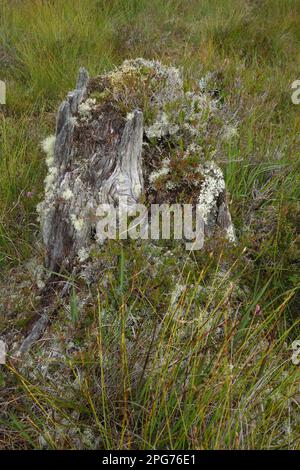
{"x":155,"y":347}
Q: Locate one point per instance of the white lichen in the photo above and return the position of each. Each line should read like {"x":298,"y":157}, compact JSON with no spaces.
{"x":50,"y":178}
{"x":197,"y":108}
{"x":163,"y":171}
{"x":83,"y":254}
{"x":170,"y":185}
{"x":213,"y":185}
{"x":167,"y":82}
{"x":48,"y":145}
{"x":229,"y":132}
{"x":67,"y":194}
{"x":73,"y":120}
{"x":176,"y":293}
{"x":85,"y":108}
{"x":230,"y":234}
{"x":193,"y":149}
{"x":203,"y":82}
{"x":161,"y":127}
{"x":78,"y":223}
{"x":129,"y":116}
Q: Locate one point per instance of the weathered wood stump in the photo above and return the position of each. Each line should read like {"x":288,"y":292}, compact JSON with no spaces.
{"x":131,"y":132}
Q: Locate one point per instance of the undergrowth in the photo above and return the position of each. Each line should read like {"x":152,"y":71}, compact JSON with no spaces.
{"x":162,"y":351}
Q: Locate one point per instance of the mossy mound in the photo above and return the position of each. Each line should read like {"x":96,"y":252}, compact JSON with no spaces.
{"x":181,"y":132}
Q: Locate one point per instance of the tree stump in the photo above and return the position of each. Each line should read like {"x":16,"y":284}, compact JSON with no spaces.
{"x":132,"y":132}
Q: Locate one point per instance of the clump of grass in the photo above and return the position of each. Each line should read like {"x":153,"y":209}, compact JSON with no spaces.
{"x":202,"y":377}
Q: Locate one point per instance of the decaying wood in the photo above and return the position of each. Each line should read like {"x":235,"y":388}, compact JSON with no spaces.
{"x":96,"y":168}
{"x":99,"y":154}
{"x":36,"y":333}
{"x":49,"y":305}
{"x":98,"y":158}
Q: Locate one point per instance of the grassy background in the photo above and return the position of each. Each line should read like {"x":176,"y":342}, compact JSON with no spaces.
{"x":253,"y":46}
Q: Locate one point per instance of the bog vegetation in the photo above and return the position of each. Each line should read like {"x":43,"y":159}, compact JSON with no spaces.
{"x":154,"y":347}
